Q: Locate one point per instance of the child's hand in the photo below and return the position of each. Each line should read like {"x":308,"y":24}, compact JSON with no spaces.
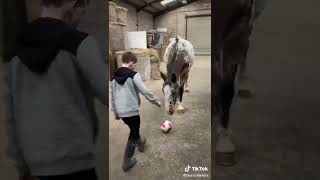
{"x":116,"y":116}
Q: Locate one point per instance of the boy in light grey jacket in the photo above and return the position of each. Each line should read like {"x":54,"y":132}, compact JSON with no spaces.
{"x":53,"y":79}
{"x":126,"y":86}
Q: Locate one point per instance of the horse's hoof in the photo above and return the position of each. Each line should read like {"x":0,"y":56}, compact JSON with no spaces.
{"x":225,"y":158}
{"x":180,"y":109}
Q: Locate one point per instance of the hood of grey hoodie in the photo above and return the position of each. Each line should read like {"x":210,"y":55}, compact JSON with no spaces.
{"x":43,"y":38}
{"x":123,"y":74}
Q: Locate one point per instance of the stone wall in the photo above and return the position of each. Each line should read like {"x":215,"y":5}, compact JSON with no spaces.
{"x":145,"y":20}
{"x":175,"y":20}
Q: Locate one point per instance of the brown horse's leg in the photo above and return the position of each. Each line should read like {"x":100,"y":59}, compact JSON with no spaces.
{"x":225,"y":149}
{"x":227,"y":94}
{"x":216,"y":76}
{"x":244,"y":91}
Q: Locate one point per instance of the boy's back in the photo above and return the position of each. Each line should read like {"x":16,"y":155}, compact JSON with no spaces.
{"x":52,"y":81}
{"x":126,"y":86}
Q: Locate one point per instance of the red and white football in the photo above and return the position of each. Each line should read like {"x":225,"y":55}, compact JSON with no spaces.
{"x":166,"y":126}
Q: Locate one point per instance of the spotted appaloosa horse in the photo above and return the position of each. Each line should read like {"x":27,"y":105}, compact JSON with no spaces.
{"x":233,"y":21}
{"x":178,"y":58}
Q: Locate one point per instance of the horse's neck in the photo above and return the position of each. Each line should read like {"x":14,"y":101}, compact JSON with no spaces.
{"x":176,"y":66}
{"x":171,"y":60}
{"x":171,"y":69}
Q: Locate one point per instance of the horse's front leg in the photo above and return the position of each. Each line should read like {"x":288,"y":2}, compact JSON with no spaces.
{"x":186,"y":86}
{"x":225,"y":148}
{"x":180,"y":105}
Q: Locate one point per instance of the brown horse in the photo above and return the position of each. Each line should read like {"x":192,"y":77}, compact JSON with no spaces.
{"x":233,"y":21}
{"x":231,"y":33}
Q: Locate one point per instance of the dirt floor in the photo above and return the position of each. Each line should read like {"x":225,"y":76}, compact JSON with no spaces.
{"x":167,"y":155}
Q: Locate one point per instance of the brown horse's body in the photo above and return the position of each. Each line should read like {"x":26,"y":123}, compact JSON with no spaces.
{"x":233,"y":21}
{"x":231,"y":31}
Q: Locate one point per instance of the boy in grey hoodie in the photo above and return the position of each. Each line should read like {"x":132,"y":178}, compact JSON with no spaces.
{"x":53,"y":78}
{"x":126,"y":86}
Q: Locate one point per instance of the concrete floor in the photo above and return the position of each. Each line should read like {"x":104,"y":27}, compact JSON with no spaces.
{"x":166,"y":155}
{"x":277,"y":131}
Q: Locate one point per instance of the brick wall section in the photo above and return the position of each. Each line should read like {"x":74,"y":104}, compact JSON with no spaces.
{"x":145,"y":20}
{"x":175,"y":20}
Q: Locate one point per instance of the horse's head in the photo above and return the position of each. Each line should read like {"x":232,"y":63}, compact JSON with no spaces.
{"x":170,"y":89}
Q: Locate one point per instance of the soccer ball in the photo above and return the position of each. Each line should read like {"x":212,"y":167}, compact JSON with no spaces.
{"x":166,"y":126}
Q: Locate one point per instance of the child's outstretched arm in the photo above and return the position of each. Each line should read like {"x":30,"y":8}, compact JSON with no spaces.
{"x":113,"y":107}
{"x":144,"y":91}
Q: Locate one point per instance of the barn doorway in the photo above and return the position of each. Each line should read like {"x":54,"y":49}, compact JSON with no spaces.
{"x":198,"y":32}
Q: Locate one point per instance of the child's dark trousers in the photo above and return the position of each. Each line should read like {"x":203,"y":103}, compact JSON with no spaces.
{"x":134,"y":125}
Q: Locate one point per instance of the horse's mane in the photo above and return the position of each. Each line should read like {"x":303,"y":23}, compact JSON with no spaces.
{"x":171,"y":58}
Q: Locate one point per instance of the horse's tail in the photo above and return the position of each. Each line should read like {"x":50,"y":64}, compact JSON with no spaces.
{"x":177,"y":39}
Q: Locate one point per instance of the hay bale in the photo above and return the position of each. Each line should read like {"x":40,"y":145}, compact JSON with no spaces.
{"x":155,"y":68}
{"x":143,"y":67}
{"x":161,"y":51}
{"x":145,"y":52}
{"x":154,"y":61}
{"x":112,"y":12}
{"x":148,"y":70}
{"x":119,"y":38}
{"x":122,"y":15}
{"x":118,"y":55}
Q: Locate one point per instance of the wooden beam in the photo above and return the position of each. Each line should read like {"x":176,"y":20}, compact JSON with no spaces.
{"x":151,"y":5}
{"x":178,"y":5}
{"x":137,"y":7}
{"x":148,"y":4}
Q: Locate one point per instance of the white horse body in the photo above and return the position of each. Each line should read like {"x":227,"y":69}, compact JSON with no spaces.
{"x":183,"y":46}
{"x":178,"y":58}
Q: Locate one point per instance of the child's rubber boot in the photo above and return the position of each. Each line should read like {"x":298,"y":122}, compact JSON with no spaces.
{"x":141,"y":142}
{"x":128,"y":160}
